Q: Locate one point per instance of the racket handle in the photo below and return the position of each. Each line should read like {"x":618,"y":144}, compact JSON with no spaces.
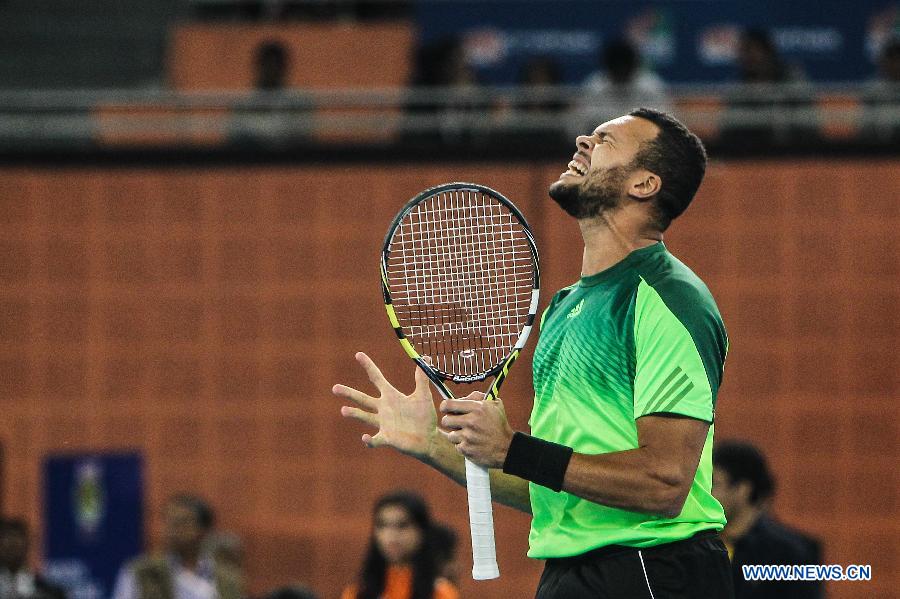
{"x":481,"y":521}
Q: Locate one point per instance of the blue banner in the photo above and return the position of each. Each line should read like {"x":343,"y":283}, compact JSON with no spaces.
{"x":684,"y":41}
{"x":93,"y":514}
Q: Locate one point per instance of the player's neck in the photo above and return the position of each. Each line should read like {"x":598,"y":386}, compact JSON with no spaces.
{"x":611,"y":236}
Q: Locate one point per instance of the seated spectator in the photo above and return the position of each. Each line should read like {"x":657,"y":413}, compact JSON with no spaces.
{"x":618,"y":88}
{"x":774,"y":104}
{"x":272,"y":115}
{"x":17,"y":580}
{"x":292,"y":592}
{"x":184,"y":570}
{"x":744,"y":486}
{"x":882,"y":96}
{"x":541,"y":73}
{"x":442,"y":66}
{"x":401,"y":561}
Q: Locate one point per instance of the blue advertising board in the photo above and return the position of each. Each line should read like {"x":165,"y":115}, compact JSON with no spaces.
{"x":684,"y":41}
{"x":93,"y":515}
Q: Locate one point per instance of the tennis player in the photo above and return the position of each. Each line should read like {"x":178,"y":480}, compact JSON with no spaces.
{"x":617,"y":470}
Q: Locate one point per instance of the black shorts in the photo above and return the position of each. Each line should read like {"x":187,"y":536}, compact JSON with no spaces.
{"x":695,"y":568}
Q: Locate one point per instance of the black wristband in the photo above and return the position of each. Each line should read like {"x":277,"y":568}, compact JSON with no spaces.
{"x":542,"y":462}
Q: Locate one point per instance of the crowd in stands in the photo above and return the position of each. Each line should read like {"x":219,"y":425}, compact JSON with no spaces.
{"x":409,"y":555}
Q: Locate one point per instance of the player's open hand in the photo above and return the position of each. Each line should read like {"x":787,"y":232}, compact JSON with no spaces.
{"x":408,"y":423}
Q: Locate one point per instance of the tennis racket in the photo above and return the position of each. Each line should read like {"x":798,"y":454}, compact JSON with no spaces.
{"x":459,"y":272}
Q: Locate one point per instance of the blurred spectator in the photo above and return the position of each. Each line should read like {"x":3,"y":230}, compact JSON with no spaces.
{"x":882,"y":96}
{"x":759,"y":61}
{"x":17,"y":580}
{"x":185,"y":570}
{"x":227,"y":550}
{"x":271,"y":63}
{"x":268,"y":117}
{"x":744,"y":486}
{"x":889,"y":61}
{"x":541,"y":73}
{"x":401,"y":561}
{"x":445,"y":543}
{"x":622,"y":85}
{"x":774,"y":104}
{"x":441,"y":67}
{"x":292,"y":592}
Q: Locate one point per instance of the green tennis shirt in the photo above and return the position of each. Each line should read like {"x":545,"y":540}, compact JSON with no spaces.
{"x":642,"y":337}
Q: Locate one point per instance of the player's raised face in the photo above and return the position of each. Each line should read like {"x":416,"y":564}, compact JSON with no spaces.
{"x":397,"y":536}
{"x":602,"y":169}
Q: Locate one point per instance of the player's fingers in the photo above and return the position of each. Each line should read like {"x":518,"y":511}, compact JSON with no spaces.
{"x":358,"y":397}
{"x":360,"y":415}
{"x":452,"y":422}
{"x":373,"y":372}
{"x":455,"y":437}
{"x":373,"y":441}
{"x":459,"y":406}
{"x":421,"y":382}
{"x":475,"y":396}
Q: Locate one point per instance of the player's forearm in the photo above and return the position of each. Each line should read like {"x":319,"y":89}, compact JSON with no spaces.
{"x":508,"y":490}
{"x":633,"y":480}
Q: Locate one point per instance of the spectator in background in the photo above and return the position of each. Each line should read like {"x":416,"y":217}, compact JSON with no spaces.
{"x":541,"y":73}
{"x":271,"y":116}
{"x":773,"y":106}
{"x":17,"y":580}
{"x":744,"y":486}
{"x":185,"y":570}
{"x":882,"y":96}
{"x":759,"y":61}
{"x":272,"y":64}
{"x":442,"y":66}
{"x":622,"y":84}
{"x":445,"y":543}
{"x":889,"y":61}
{"x":401,"y":561}
{"x":226,"y":550}
{"x":292,"y":592}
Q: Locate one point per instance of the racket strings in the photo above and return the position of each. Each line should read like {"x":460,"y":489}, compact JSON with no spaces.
{"x":461,"y":276}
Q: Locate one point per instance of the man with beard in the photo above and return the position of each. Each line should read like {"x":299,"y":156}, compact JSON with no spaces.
{"x":617,"y":470}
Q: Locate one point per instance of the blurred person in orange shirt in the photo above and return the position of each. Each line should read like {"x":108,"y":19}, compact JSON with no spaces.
{"x":402,"y":561}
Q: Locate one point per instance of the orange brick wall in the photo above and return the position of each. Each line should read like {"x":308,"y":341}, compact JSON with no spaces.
{"x":202,"y":315}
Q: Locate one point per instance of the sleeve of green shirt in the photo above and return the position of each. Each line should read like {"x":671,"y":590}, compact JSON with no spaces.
{"x":680,"y":347}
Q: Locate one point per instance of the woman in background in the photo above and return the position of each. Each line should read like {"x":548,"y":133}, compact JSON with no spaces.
{"x":402,"y":561}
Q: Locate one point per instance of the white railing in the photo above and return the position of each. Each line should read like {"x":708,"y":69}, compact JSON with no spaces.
{"x":110,"y":116}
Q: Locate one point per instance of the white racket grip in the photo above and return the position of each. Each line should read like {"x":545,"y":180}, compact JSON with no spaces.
{"x":481,"y":522}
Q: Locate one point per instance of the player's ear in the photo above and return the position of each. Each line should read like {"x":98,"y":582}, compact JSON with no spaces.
{"x":643,"y":185}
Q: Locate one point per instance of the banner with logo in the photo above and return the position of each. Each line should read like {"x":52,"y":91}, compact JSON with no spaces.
{"x":93,"y":520}
{"x":684,"y":41}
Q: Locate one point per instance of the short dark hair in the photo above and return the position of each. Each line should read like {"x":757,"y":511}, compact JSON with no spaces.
{"x":678,"y":157}
{"x":745,"y":462}
{"x":206,"y":517}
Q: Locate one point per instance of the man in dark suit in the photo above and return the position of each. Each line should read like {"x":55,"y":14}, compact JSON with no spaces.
{"x":744,"y":486}
{"x":17,"y":580}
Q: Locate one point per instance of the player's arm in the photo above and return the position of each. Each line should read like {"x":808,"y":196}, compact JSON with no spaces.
{"x":654,"y":478}
{"x":408,"y":423}
{"x":509,"y":490}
